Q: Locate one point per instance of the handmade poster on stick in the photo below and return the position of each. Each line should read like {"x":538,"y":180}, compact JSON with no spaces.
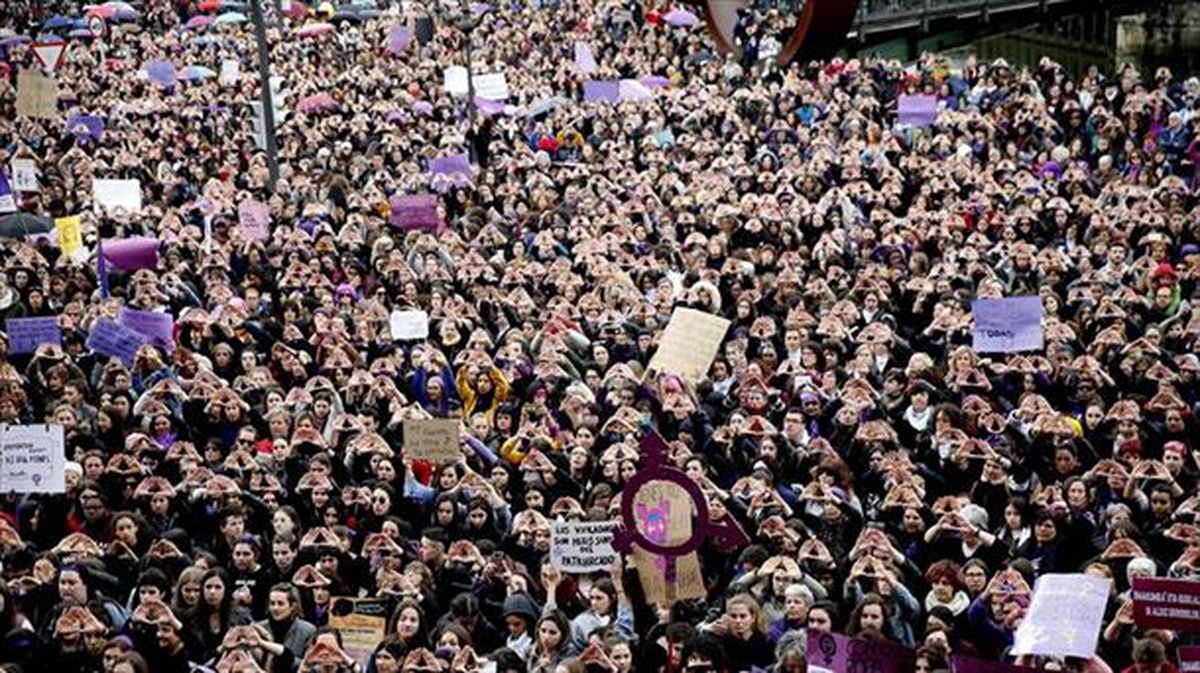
{"x":361,"y":623}
{"x":1008,"y":325}
{"x":70,"y":237}
{"x":1064,"y":616}
{"x":434,"y":439}
{"x":34,"y":459}
{"x":26,"y":334}
{"x":689,"y":344}
{"x":582,"y":546}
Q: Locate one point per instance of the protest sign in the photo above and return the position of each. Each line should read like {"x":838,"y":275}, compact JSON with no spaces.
{"x":434,"y":439}
{"x":663,"y":515}
{"x":161,"y":73}
{"x":1189,"y":659}
{"x":583,"y":57}
{"x":158,"y":327}
{"x":37,"y":95}
{"x":26,"y":334}
{"x":361,"y":623}
{"x":840,"y":653}
{"x":916,"y":110}
{"x":634,"y":91}
{"x":34,"y":459}
{"x":70,"y":236}
{"x":1163,"y":603}
{"x":1064,"y":616}
{"x":124,"y":194}
{"x":960,"y":664}
{"x":254,"y":220}
{"x":231,"y":71}
{"x":582,"y":546}
{"x":454,"y":80}
{"x":415,"y":211}
{"x":112,"y":339}
{"x":25,"y":175}
{"x":398,"y":39}
{"x":457,"y":165}
{"x":1008,"y":325}
{"x":601,"y":91}
{"x":131,"y":254}
{"x":409,"y":325}
{"x":8,"y":203}
{"x":86,"y":127}
{"x":491,"y":86}
{"x":689,"y":344}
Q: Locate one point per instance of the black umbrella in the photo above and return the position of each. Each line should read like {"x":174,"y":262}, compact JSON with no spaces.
{"x":24,"y":224}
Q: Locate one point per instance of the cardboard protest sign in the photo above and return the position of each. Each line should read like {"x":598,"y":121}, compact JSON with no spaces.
{"x":583,"y":58}
{"x":960,"y":664}
{"x":34,"y":459}
{"x":689,"y":344}
{"x":26,"y":334}
{"x":416,"y":211}
{"x":664,"y":514}
{"x":409,"y":325}
{"x":254,"y":220}
{"x":361,"y":623}
{"x":231,"y":71}
{"x":109,"y":338}
{"x":1008,"y":325}
{"x":836,"y":652}
{"x":125,"y":194}
{"x":1064,"y":616}
{"x":491,"y":86}
{"x":916,"y":110}
{"x":25,"y":175}
{"x":37,"y":95}
{"x":433,"y":439}
{"x":158,"y":327}
{"x":1163,"y":603}
{"x":582,"y":546}
{"x":1189,"y":659}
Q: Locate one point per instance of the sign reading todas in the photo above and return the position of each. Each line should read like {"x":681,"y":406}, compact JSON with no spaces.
{"x":1161,"y":603}
{"x":1008,"y":325}
{"x":836,"y":652}
{"x":582,"y":546}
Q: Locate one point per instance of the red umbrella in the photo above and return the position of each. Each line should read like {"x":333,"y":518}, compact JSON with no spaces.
{"x":209,"y":6}
{"x":102,"y":11}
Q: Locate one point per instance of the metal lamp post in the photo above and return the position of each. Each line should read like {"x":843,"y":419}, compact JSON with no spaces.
{"x":268,"y":103}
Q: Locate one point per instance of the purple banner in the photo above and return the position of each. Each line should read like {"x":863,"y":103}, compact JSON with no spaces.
{"x":131,"y":254}
{"x":415,"y":211}
{"x":8,"y":202}
{"x":1164,"y":603}
{"x":26,"y":334}
{"x":489,"y":107}
{"x":159,"y":328}
{"x":968,"y":665}
{"x":459,"y":164}
{"x":917,"y":110}
{"x":600,"y":90}
{"x":839,"y":653}
{"x":109,"y":338}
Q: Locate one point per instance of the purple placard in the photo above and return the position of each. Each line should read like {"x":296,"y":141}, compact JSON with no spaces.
{"x":583,"y":58}
{"x":1008,"y":325}
{"x":600,"y":90}
{"x":130,"y":254}
{"x":86,"y":126}
{"x":969,"y":665}
{"x":836,"y":652}
{"x":457,"y":165}
{"x":159,"y":328}
{"x":398,"y":39}
{"x":161,"y":73}
{"x":917,"y":110}
{"x":109,"y":338}
{"x":415,"y":211}
{"x":26,"y":334}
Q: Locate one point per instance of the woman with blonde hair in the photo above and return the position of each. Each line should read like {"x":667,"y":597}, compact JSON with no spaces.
{"x":743,"y":632}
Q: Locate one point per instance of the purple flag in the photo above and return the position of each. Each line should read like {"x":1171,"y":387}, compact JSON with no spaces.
{"x":101,"y":268}
{"x":131,"y":254}
{"x":398,"y":39}
{"x":655,"y":82}
{"x":633,"y":90}
{"x":415,"y":211}
{"x":8,"y":204}
{"x":489,"y":107}
{"x":161,"y":73}
{"x":599,"y":90}
{"x":835,"y":652}
{"x":583,"y":57}
{"x":86,"y":126}
{"x":968,"y":665}
{"x":917,"y":110}
{"x":452,"y":166}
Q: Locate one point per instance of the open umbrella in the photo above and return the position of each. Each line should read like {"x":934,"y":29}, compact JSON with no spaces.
{"x":314,"y":29}
{"x":126,"y":14}
{"x":316,"y":103}
{"x":193,"y":73}
{"x":233,"y":5}
{"x":681,"y":18}
{"x":199,"y":21}
{"x":24,"y":224}
{"x":209,"y":6}
{"x":57,"y":22}
{"x":102,"y":11}
{"x":230,"y":18}
{"x":81,"y":34}
{"x":10,"y":40}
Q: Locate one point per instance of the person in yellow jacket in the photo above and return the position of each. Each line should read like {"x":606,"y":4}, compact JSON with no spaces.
{"x":482,"y":387}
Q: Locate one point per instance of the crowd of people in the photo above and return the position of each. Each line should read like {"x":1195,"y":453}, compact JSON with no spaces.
{"x":224,"y":490}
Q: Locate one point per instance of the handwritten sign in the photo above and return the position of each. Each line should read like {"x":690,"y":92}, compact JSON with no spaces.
{"x":409,"y":325}
{"x":491,"y":86}
{"x":26,"y":334}
{"x":583,"y":57}
{"x":837,"y":652}
{"x":582,"y":546}
{"x":454,"y":80}
{"x":361,"y":623}
{"x":433,"y":439}
{"x":689,"y":344}
{"x":37,"y":95}
{"x":916,"y":110}
{"x":126,"y":194}
{"x":1162,"y":603}
{"x":158,"y":327}
{"x":34,"y":459}
{"x":1064,"y":616}
{"x":25,"y":175}
{"x":1008,"y":325}
{"x":254,"y":220}
{"x":416,"y":211}
{"x":118,"y":341}
{"x":231,"y":71}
